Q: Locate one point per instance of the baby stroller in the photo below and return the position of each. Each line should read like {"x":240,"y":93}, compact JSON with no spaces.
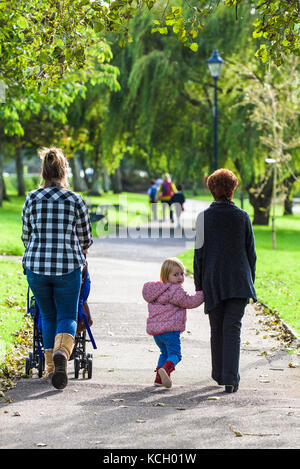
{"x":36,"y":358}
{"x":82,"y":360}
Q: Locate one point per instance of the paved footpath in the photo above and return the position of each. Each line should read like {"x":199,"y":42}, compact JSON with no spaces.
{"x":119,"y":408}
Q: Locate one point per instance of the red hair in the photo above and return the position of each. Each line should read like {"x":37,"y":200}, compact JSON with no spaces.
{"x":222,"y":184}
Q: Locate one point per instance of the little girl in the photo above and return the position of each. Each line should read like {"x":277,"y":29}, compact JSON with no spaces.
{"x":167,"y":304}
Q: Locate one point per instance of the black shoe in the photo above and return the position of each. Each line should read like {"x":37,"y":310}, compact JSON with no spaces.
{"x":230,"y":388}
{"x":60,"y":377}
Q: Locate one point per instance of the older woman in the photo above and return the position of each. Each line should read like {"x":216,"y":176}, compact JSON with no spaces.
{"x":56,"y":234}
{"x":224,"y":268}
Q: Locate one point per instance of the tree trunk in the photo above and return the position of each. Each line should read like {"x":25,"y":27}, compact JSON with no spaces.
{"x":260,"y":197}
{"x":95,"y":185}
{"x":79,"y":184}
{"x":84,"y":167}
{"x":288,"y":199}
{"x":1,"y":179}
{"x":116,"y":181}
{"x":20,"y":171}
{"x":106,"y":180}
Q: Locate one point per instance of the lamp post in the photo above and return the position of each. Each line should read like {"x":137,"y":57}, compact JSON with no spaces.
{"x":215,"y":65}
{"x":274,"y":163}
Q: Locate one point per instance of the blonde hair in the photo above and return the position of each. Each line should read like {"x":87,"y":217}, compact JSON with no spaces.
{"x":54,"y":166}
{"x":167,"y":267}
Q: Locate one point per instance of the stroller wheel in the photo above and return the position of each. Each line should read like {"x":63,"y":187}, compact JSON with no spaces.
{"x":90,"y":367}
{"x":76,"y":367}
{"x":28,"y":366}
{"x":41,"y":366}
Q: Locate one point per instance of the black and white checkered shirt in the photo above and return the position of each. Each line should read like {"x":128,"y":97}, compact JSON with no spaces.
{"x":56,"y":228}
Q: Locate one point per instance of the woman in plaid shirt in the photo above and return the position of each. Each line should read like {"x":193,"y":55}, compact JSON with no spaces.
{"x":56,"y":234}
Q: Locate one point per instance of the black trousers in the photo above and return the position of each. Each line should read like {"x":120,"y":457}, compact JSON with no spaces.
{"x":225,"y":324}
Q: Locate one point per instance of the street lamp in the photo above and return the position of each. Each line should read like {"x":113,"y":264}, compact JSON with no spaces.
{"x":215,"y":65}
{"x":273,"y":162}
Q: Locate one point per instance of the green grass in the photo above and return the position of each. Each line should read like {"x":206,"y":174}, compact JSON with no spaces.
{"x":13,"y":291}
{"x":11,"y":227}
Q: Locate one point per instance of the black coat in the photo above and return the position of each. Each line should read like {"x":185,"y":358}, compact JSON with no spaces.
{"x":224,"y":257}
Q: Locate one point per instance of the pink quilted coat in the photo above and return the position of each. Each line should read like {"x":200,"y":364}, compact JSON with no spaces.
{"x":167,"y":304}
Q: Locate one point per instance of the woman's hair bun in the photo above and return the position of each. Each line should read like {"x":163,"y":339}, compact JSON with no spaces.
{"x":50,"y":156}
{"x":54,"y":165}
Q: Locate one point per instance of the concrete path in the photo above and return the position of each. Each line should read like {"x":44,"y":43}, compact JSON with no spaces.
{"x":119,"y":408}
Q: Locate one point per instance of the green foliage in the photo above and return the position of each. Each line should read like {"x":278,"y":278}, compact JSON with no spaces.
{"x":41,"y":41}
{"x":164,"y":108}
{"x":278,"y":22}
{"x":52,"y":101}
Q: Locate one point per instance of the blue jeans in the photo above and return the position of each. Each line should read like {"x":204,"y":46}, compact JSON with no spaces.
{"x":170,"y":347}
{"x":57,"y":297}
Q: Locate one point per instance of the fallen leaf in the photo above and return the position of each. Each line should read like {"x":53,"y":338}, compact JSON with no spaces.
{"x":141,"y":421}
{"x":236,"y":432}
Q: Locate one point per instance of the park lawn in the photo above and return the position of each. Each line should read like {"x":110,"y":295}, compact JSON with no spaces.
{"x":13,"y":292}
{"x":11,"y":227}
{"x":277,"y":281}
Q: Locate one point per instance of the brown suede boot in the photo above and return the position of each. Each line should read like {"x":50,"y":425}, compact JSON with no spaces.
{"x":63,"y":347}
{"x":164,"y":373}
{"x":49,"y":363}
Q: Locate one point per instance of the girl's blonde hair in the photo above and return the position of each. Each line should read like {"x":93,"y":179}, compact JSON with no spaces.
{"x":167,"y":267}
{"x":55,"y":166}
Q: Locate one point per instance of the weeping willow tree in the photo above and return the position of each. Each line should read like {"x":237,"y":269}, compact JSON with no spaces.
{"x":164,"y":108}
{"x":152,"y":112}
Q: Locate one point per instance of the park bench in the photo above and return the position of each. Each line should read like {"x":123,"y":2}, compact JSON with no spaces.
{"x":98,"y":212}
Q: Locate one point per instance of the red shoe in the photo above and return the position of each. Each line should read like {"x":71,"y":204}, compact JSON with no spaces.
{"x":157,"y":381}
{"x":164,"y":373}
